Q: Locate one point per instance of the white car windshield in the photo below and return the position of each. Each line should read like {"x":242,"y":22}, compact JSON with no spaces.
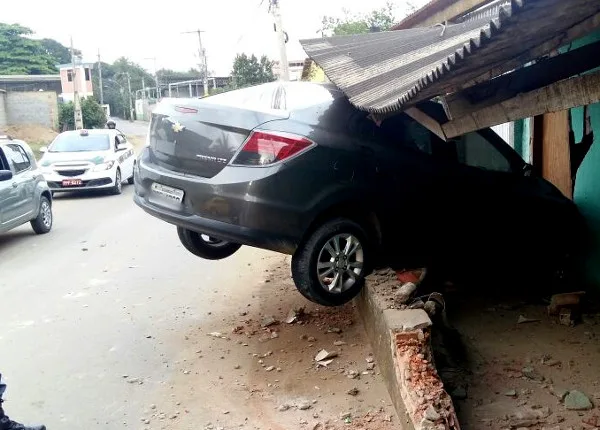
{"x":78,"y":143}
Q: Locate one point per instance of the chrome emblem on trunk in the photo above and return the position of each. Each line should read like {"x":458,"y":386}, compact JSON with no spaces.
{"x":177,"y":127}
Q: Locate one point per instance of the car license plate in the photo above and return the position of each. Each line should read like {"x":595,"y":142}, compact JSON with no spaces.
{"x":170,"y":194}
{"x":71,"y":182}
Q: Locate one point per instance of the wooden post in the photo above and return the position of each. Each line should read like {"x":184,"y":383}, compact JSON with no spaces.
{"x":551,"y":154}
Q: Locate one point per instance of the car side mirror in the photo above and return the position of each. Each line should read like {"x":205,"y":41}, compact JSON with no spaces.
{"x":121,"y":147}
{"x":44,"y":149}
{"x":5,"y":175}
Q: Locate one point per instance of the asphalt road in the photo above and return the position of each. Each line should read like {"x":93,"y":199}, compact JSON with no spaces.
{"x":108,"y":293}
{"x":135,"y":128}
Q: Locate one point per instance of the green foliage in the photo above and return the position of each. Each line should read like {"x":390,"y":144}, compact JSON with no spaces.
{"x":377,"y":20}
{"x":92,"y":112}
{"x":20,"y":55}
{"x":115,"y":87}
{"x":248,"y":71}
{"x":58,"y":51}
{"x":167,"y":76}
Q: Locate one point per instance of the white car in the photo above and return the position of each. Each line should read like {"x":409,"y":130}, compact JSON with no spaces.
{"x":88,"y":159}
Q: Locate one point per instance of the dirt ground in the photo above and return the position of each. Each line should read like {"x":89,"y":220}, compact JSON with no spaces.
{"x":258,"y":372}
{"x":505,"y":375}
{"x":35,"y":135}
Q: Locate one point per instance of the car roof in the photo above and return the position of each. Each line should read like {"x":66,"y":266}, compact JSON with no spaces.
{"x":91,"y":131}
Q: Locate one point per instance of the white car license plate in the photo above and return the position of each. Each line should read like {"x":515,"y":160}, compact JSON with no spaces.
{"x":169,"y":194}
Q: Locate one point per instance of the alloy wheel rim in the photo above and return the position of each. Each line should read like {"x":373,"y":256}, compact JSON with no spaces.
{"x":46,"y":214}
{"x":118,"y":181}
{"x":340,"y":263}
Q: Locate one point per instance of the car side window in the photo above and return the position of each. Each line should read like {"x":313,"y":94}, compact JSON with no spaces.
{"x":3,"y":163}
{"x":121,"y":140}
{"x":475,"y":150}
{"x":17,"y":158}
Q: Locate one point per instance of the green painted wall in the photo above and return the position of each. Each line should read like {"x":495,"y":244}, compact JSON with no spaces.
{"x":587,"y":183}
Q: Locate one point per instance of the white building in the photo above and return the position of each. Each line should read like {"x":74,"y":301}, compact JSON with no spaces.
{"x":80,"y":80}
{"x":295,"y":67}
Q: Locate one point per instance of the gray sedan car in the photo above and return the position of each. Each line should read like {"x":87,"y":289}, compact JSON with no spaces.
{"x":24,"y":193}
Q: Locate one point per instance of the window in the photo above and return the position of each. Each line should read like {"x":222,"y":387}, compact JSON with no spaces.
{"x":474,"y":150}
{"x":17,"y":158}
{"x":70,"y":75}
{"x":76,"y":142}
{"x":87,"y":74}
{"x":401,"y":130}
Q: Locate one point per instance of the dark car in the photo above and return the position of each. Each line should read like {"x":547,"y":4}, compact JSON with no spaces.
{"x":294,"y":168}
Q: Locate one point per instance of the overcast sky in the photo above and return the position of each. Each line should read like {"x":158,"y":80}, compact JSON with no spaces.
{"x":138,"y":30}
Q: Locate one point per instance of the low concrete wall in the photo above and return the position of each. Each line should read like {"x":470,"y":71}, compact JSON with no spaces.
{"x":401,"y":342}
{"x":37,"y":107}
{"x":3,"y":117}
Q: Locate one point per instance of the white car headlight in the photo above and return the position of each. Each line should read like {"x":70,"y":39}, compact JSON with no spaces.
{"x":104,"y":166}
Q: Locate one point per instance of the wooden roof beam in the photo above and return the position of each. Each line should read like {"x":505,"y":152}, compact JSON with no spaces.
{"x":526,"y":79}
{"x":565,"y":94}
{"x":438,"y":12}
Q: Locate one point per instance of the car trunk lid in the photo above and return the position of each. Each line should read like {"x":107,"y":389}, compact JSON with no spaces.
{"x":200,"y":137}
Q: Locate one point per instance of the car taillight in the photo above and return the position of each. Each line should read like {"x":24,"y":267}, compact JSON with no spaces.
{"x":264,"y":148}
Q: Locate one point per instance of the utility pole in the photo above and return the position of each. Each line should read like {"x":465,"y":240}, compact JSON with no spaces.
{"x":281,"y":40}
{"x":130,"y":101}
{"x":78,"y":117}
{"x":155,"y":77}
{"x":202,"y":56}
{"x":100,"y":78}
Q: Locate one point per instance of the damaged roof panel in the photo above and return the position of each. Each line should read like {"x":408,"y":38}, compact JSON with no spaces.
{"x":389,"y":71}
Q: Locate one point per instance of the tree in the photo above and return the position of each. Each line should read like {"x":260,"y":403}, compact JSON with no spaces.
{"x":58,"y":51}
{"x":248,"y":71}
{"x":92,"y":112}
{"x":377,"y":20}
{"x":20,"y":55}
{"x":115,"y":86}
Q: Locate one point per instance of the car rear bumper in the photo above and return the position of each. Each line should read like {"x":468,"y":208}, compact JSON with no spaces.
{"x":221,"y":230}
{"x":223,"y":206}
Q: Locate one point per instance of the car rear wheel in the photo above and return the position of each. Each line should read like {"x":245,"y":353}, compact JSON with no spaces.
{"x":118,"y":187}
{"x":204,"y":246}
{"x":330,"y":267}
{"x":42,"y":224}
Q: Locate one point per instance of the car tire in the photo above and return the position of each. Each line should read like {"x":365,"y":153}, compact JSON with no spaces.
{"x":42,"y":224}
{"x":329,"y":268}
{"x":206,"y":247}
{"x":118,"y":187}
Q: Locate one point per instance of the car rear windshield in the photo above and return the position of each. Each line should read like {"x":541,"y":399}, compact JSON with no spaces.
{"x":78,"y":143}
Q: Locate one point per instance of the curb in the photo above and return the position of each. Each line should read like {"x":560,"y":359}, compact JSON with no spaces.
{"x":401,"y":343}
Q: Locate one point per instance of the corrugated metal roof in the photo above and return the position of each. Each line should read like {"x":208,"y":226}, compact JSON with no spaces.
{"x":386,"y":72}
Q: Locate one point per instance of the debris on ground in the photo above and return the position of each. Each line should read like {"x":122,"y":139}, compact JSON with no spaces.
{"x":353,"y":391}
{"x":268,"y":321}
{"x":405,"y":292}
{"x":577,"y":401}
{"x":295,"y":314}
{"x":524,"y":320}
{"x":565,"y":300}
{"x":325,"y":355}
